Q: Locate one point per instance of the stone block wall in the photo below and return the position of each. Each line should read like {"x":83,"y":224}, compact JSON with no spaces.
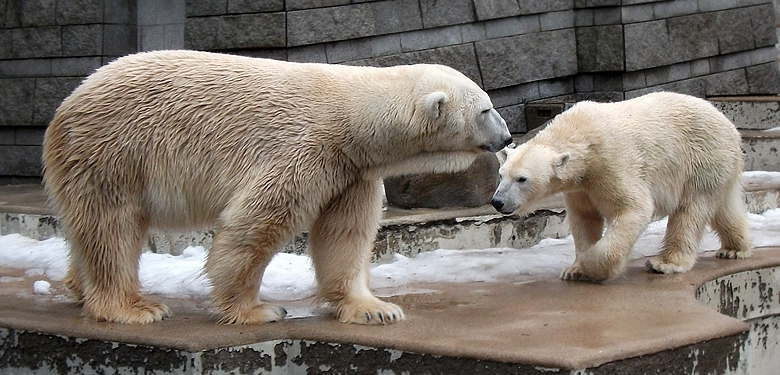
{"x":525,"y":53}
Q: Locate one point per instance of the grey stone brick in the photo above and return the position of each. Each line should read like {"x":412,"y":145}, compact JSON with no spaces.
{"x":507,"y":96}
{"x":260,"y":30}
{"x":730,"y":62}
{"x":173,"y":36}
{"x":308,"y":54}
{"x":636,"y":13}
{"x":205,"y":7}
{"x":82,"y":40}
{"x":120,"y":39}
{"x":600,"y":48}
{"x":255,"y":6}
{"x":49,"y":93}
{"x":694,"y":86}
{"x":25,"y":68}
{"x":311,"y":4}
{"x":713,"y":5}
{"x":536,"y":6}
{"x":762,"y":19}
{"x":634,"y":80}
{"x":200,"y":33}
{"x":32,"y":42}
{"x":732,"y":82}
{"x":151,"y":37}
{"x":763,"y":55}
{"x":30,"y":13}
{"x":120,"y":11}
{"x":764,"y":79}
{"x":700,"y":67}
{"x":744,"y":3}
{"x":74,"y":67}
{"x":693,"y":37}
{"x":437,"y":13}
{"x":20,"y":161}
{"x":460,"y":57}
{"x":514,"y":116}
{"x":546,"y":55}
{"x":583,"y":82}
{"x":596,"y":3}
{"x":329,"y":24}
{"x":7,"y":135}
{"x":675,"y":8}
{"x":734,"y":30}
{"x":647,"y":45}
{"x":396,"y":16}
{"x":162,"y":12}
{"x":16,"y":101}
{"x":512,"y":26}
{"x":365,"y":48}
{"x":472,"y":32}
{"x":607,"y":82}
{"x":430,"y":38}
{"x":5,"y":44}
{"x":77,"y":12}
{"x":555,"y":87}
{"x":556,"y":20}
{"x":583,"y":17}
{"x":490,"y":9}
{"x":607,"y":16}
{"x":29,"y":135}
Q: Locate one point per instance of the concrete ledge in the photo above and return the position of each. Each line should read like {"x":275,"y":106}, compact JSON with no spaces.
{"x":637,"y":323}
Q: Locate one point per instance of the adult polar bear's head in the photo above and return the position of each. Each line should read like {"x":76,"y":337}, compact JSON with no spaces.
{"x":457,"y":114}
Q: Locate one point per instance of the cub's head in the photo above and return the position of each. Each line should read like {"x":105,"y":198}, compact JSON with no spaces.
{"x":529,"y":173}
{"x":457,"y":114}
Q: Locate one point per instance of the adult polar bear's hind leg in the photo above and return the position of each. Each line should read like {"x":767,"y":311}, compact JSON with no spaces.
{"x":730,"y":224}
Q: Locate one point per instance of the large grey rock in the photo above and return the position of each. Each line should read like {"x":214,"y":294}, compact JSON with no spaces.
{"x":471,"y":188}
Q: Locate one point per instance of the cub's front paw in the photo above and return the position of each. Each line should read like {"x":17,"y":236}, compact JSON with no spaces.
{"x":659,"y":265}
{"x":733,"y":254}
{"x":574,"y":273}
{"x":369,"y":311}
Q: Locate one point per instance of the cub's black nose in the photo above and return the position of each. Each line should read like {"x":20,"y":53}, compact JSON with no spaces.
{"x":497,"y":204}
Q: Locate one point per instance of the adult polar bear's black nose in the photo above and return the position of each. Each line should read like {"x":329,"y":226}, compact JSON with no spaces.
{"x":498,"y":146}
{"x":497,"y":204}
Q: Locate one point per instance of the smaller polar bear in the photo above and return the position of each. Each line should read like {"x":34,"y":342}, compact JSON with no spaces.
{"x":624,"y":164}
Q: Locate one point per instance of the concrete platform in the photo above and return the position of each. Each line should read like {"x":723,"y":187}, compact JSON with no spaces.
{"x":721,"y":317}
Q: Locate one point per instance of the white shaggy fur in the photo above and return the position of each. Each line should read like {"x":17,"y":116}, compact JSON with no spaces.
{"x":262,"y":149}
{"x":622,"y":164}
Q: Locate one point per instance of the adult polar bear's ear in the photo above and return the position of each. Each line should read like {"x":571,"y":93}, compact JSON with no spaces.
{"x":559,"y":163}
{"x":433,"y":103}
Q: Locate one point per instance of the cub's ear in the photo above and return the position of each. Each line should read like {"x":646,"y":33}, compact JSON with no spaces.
{"x":502,"y":154}
{"x":560,"y":161}
{"x":433,"y":103}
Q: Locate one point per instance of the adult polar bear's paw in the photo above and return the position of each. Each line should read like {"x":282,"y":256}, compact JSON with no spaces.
{"x":140,"y":311}
{"x":732,"y":254}
{"x":369,"y":311}
{"x":259,"y":314}
{"x":659,"y":265}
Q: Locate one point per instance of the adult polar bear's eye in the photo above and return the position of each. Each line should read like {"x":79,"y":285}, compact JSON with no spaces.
{"x":522,"y":179}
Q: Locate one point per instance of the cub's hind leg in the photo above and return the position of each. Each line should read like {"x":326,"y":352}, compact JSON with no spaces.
{"x":730,"y":223}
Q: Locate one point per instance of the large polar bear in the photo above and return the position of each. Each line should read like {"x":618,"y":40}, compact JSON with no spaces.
{"x":655,"y":155}
{"x":262,"y":149}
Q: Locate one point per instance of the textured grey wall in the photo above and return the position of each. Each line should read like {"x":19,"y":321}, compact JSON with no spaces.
{"x":520,"y":51}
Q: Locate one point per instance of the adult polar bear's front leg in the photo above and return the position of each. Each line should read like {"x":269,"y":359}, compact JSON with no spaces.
{"x":341,"y":241}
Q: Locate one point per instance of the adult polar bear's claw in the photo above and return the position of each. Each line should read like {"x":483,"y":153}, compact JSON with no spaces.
{"x":263,"y":149}
{"x":369,"y":311}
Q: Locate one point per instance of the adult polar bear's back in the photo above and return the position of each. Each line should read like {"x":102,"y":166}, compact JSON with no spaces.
{"x":263,"y":149}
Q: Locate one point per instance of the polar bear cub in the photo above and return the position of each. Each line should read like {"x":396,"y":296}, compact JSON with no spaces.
{"x":262,"y":149}
{"x":621,"y":164}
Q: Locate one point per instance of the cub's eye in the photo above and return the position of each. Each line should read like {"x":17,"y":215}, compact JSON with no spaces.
{"x":522,"y":180}
{"x":486,"y":111}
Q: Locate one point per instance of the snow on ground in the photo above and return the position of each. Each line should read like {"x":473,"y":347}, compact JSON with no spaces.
{"x":291,"y":277}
